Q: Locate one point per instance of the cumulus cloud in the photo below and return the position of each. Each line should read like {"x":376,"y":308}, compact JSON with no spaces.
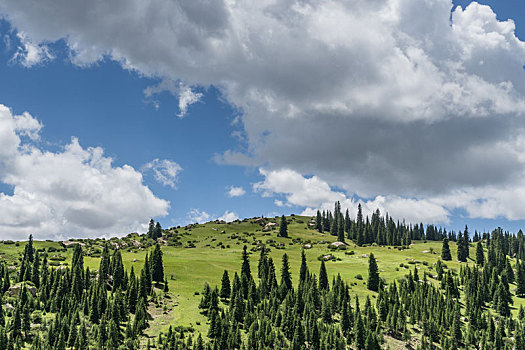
{"x":398,"y":98}
{"x":165,"y":171}
{"x":200,"y":216}
{"x":236,"y":191}
{"x":197,"y":215}
{"x":73,"y":192}
{"x":184,"y":93}
{"x":314,"y":193}
{"x":229,"y":216}
{"x":29,"y":54}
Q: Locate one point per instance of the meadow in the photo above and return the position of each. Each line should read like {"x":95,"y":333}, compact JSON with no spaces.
{"x":204,"y":251}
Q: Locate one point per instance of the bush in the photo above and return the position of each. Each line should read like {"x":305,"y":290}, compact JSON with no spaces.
{"x":359,"y":277}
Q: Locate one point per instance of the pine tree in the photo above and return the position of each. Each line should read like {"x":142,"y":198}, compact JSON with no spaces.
{"x":303,"y":272}
{"x":445,"y":251}
{"x":480,"y":257}
{"x":157,"y":266}
{"x":225,"y":285}
{"x":286,"y":277}
{"x":151,"y":229}
{"x":283,"y":228}
{"x":323,"y":277}
{"x":157,"y":232}
{"x":319,"y":222}
{"x":373,"y":274}
{"x":520,"y":280}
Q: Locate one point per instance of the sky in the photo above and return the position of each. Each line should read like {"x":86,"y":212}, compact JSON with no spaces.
{"x":112,"y":113}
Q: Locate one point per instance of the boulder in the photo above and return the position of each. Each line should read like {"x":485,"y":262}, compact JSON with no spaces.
{"x":17,"y":288}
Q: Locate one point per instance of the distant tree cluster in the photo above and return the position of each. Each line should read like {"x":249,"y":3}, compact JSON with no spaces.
{"x":154,"y":230}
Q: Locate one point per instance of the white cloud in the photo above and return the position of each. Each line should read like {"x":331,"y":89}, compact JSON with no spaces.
{"x":399,"y":98}
{"x":197,"y":215}
{"x":313,"y":193}
{"x":236,"y":191}
{"x":73,"y":192}
{"x":200,"y":216}
{"x":187,"y":97}
{"x":165,"y":171}
{"x":29,"y":54}
{"x":229,"y":216}
{"x":184,"y":93}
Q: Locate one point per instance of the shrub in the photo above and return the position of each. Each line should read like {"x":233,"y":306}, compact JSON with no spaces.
{"x":359,"y":277}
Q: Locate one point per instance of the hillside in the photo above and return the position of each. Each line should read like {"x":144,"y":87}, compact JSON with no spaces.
{"x":199,"y":254}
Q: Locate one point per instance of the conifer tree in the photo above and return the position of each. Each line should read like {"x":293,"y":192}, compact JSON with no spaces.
{"x":323,"y":277}
{"x":373,"y":274}
{"x":480,"y":257}
{"x":286,"y":278}
{"x":151,"y":229}
{"x":283,"y":228}
{"x":445,"y":251}
{"x":225,"y":285}
{"x":303,"y":272}
{"x":319,"y":222}
{"x":520,"y":280}
{"x":157,"y":266}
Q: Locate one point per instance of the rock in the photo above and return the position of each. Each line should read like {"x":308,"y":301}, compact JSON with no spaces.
{"x":328,"y":257}
{"x":70,"y":243}
{"x":364,"y":256}
{"x":16,"y":289}
{"x":425,"y":251}
{"x":269,"y":226}
{"x":134,"y":260}
{"x":337,"y":244}
{"x":307,"y":246}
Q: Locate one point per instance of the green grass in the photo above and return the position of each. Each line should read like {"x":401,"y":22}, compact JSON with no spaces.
{"x":187,"y":269}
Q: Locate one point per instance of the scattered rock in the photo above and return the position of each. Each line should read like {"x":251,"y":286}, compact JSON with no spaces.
{"x":269,"y":226}
{"x":16,"y":289}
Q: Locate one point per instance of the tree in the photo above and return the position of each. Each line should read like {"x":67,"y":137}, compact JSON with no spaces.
{"x":303,"y":272}
{"x":157,"y":266}
{"x":323,"y":277}
{"x":286,"y":277}
{"x":157,"y":232}
{"x":373,"y":274}
{"x":283,"y":229}
{"x":520,"y":279}
{"x":445,"y":251}
{"x":480,"y":257}
{"x":225,"y":285}
{"x":151,"y":229}
{"x":319,"y":222}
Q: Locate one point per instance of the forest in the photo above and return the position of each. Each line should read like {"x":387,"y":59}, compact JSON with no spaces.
{"x":466,"y":299}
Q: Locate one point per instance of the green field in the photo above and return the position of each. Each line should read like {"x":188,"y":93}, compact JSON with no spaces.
{"x":187,"y":269}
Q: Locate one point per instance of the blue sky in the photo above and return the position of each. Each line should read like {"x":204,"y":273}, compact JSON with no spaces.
{"x":297,"y":118}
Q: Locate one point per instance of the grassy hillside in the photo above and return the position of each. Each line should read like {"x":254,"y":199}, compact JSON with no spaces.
{"x":197,"y":254}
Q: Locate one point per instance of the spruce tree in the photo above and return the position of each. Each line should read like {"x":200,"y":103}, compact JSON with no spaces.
{"x":373,"y":274}
{"x":303,"y":272}
{"x":157,"y":266}
{"x":445,"y":251}
{"x":283,"y":228}
{"x":151,"y":229}
{"x":286,"y":277}
{"x":323,"y":277}
{"x":480,"y":257}
{"x":225,"y":285}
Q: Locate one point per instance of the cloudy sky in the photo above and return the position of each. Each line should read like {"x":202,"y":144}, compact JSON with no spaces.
{"x":187,"y":111}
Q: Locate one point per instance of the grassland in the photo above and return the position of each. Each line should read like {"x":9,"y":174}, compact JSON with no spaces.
{"x":218,"y":246}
